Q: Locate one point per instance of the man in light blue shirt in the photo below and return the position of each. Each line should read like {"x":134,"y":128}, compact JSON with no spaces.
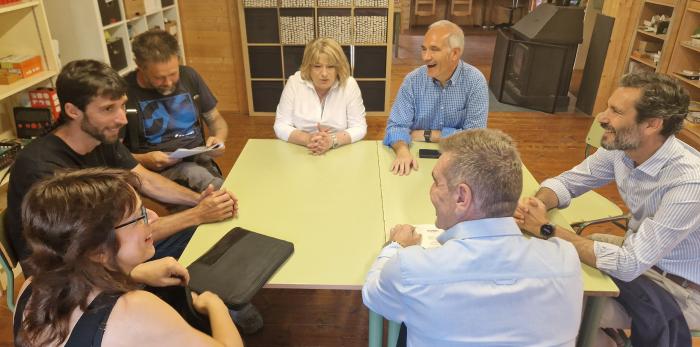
{"x":436,"y":100}
{"x":487,"y":284}
{"x":657,"y":265}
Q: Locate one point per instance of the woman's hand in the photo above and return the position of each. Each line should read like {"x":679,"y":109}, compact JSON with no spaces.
{"x":206,"y":302}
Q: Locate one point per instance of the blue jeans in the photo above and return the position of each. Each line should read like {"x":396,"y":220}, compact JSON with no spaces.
{"x":174,"y":245}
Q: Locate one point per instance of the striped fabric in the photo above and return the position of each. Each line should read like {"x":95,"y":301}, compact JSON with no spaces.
{"x":663,"y":195}
{"x":422,"y":103}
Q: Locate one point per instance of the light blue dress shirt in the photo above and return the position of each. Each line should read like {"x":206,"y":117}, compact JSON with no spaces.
{"x":487,"y":285}
{"x":422,"y":103}
{"x":663,"y":195}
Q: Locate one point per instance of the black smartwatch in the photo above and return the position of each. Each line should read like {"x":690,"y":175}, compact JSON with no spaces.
{"x":426,"y":134}
{"x":547,"y":230}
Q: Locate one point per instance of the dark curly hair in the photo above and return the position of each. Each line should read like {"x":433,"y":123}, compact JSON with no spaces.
{"x":662,"y":97}
{"x":68,"y":221}
{"x":154,"y":46}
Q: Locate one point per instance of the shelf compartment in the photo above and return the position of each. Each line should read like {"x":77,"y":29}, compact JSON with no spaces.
{"x":293,"y":56}
{"x":297,"y":3}
{"x":371,"y":3}
{"x":17,"y":6}
{"x":336,"y":24}
{"x":644,"y":61}
{"x":265,"y":62}
{"x":370,"y":62}
{"x":297,"y":26}
{"x":667,"y":3}
{"x":687,"y":45}
{"x":259,"y":3}
{"x":266,"y":95}
{"x":261,"y":25}
{"x":370,"y":26}
{"x":373,"y":95}
{"x":653,"y":35}
{"x":334,"y":3}
{"x":694,"y":83}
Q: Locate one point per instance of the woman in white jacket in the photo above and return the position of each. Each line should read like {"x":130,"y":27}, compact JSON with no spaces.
{"x":321,"y":105}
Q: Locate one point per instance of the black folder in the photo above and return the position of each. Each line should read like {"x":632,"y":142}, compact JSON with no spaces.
{"x":239,"y":265}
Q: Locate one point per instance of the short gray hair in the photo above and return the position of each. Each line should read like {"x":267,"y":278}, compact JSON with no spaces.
{"x":456,"y":36}
{"x":488,"y":162}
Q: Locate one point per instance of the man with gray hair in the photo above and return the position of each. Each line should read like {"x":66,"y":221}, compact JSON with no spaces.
{"x":486,"y":284}
{"x":436,"y":100}
{"x":657,"y":264}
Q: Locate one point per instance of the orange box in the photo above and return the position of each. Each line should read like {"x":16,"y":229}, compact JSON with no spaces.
{"x":46,"y":98}
{"x":8,"y":78}
{"x":24,"y":65}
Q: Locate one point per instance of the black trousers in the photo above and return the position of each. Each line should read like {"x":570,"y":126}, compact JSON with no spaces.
{"x":657,"y":320}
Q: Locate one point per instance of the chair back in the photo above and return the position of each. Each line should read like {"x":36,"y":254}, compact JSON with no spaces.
{"x":594,"y":136}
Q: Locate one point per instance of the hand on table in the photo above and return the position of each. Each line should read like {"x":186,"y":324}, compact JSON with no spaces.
{"x":320,"y":142}
{"x":404,"y":163}
{"x":216,"y":205}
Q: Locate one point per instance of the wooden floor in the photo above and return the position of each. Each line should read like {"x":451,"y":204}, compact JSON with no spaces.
{"x":548,"y":145}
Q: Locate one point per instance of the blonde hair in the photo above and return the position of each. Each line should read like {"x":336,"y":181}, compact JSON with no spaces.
{"x":332,"y":50}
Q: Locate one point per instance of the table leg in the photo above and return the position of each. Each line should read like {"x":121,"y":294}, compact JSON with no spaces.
{"x":376,"y":329}
{"x":392,"y":333}
{"x":590,"y":323}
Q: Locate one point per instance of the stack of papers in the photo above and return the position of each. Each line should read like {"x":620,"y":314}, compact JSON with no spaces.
{"x":187,"y":152}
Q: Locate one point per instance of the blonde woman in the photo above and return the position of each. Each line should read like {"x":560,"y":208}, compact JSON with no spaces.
{"x":321,"y":105}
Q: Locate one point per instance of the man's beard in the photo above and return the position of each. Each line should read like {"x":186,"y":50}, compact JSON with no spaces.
{"x":625,"y":139}
{"x":95,"y":133}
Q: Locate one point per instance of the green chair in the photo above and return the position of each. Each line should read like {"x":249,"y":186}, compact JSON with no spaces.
{"x":8,"y":260}
{"x":376,"y":331}
{"x":592,"y":208}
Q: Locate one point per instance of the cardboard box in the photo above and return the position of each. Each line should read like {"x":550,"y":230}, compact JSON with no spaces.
{"x":8,"y":78}
{"x":134,"y":8}
{"x":151,"y":6}
{"x":46,"y":98}
{"x":24,"y":65}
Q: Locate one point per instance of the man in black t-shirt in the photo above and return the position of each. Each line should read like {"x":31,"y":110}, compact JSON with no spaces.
{"x":92,"y":97}
{"x":170,"y":99}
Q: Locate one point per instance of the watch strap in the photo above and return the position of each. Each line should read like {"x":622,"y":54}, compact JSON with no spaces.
{"x":427,"y":134}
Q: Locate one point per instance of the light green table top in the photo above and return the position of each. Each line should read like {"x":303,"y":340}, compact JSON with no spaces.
{"x":328,"y":206}
{"x":406,"y":200}
{"x":335,"y":208}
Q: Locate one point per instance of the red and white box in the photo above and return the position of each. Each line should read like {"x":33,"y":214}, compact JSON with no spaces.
{"x":46,"y":98}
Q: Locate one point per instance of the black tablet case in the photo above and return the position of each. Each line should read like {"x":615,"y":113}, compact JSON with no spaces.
{"x":239,"y":265}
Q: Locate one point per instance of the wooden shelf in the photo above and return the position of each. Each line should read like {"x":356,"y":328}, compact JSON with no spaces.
{"x":17,"y":6}
{"x":654,"y":35}
{"x":690,"y":134}
{"x":687,"y":45}
{"x":668,"y":3}
{"x":644,"y":61}
{"x":116,"y":24}
{"x":694,"y":83}
{"x":18,"y":86}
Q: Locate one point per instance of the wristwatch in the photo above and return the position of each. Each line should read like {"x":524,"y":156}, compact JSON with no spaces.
{"x":334,"y":141}
{"x":426,"y":134}
{"x":547,"y":230}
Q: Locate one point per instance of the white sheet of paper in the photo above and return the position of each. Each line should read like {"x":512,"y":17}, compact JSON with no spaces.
{"x":186,"y":152}
{"x":429,"y":234}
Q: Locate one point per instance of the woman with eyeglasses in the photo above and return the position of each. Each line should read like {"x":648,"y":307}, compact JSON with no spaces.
{"x":89,"y":237}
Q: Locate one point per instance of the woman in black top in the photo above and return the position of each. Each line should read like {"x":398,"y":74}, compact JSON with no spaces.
{"x":89,"y":235}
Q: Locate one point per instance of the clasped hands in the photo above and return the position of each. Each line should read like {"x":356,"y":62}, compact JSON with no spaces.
{"x":216,"y":205}
{"x":320,"y":142}
{"x":405,"y":235}
{"x":530,"y":215}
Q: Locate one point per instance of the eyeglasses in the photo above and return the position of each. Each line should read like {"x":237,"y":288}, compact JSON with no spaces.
{"x":144,"y":216}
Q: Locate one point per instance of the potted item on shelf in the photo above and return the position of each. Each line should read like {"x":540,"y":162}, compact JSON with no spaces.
{"x":657,"y":25}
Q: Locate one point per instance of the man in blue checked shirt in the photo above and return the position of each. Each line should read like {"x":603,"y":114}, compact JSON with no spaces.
{"x":657,"y":264}
{"x":436,"y":100}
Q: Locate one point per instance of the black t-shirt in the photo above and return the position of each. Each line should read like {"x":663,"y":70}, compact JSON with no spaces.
{"x":168,"y":122}
{"x":40,"y":159}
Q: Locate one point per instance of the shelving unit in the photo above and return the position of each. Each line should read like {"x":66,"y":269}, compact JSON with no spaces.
{"x":92,"y":29}
{"x":686,"y":56}
{"x":274,"y":33}
{"x":669,"y":8}
{"x":23,"y":31}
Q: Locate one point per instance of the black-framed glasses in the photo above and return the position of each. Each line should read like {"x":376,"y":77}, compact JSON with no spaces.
{"x":144,"y":216}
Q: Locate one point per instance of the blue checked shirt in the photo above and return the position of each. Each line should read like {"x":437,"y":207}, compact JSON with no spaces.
{"x":663,"y":195}
{"x":422,"y":103}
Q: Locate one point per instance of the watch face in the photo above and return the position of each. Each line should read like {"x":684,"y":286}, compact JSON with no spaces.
{"x":547,"y":230}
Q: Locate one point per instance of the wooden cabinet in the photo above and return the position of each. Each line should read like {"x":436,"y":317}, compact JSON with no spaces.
{"x":651,"y":50}
{"x":274,"y":33}
{"x":103,"y":29}
{"x":686,"y":52}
